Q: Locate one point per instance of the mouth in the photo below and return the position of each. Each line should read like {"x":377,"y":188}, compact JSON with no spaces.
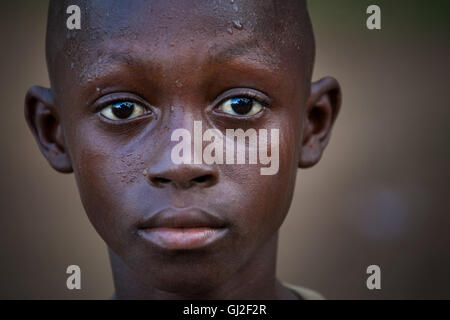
{"x":182,"y":229}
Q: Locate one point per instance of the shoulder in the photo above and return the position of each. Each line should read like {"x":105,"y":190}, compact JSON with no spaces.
{"x":305,"y":293}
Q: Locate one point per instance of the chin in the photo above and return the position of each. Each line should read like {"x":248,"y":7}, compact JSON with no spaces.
{"x":188,"y":273}
{"x":189,"y":281}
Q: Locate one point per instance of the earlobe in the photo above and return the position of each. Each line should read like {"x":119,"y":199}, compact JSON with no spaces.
{"x":322,"y":108}
{"x":43,"y":119}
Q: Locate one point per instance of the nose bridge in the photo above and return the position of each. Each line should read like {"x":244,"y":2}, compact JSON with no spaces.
{"x":163,"y":171}
{"x":181,"y":108}
{"x":181,"y":114}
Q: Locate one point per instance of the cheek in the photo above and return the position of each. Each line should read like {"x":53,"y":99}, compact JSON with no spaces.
{"x":261,"y":202}
{"x":107,"y":182}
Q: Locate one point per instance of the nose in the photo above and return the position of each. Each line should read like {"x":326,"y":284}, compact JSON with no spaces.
{"x":183,"y":176}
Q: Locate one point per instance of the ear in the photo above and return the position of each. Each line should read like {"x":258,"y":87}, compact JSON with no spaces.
{"x":322,"y":109}
{"x":43,"y":119}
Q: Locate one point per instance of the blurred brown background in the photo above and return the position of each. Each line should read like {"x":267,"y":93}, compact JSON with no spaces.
{"x":380,"y":195}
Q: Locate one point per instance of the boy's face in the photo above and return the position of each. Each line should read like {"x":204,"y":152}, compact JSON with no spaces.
{"x":176,"y":63}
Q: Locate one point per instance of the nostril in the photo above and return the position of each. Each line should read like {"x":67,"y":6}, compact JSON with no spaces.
{"x":183,"y":179}
{"x":203,"y":178}
{"x":160,"y":180}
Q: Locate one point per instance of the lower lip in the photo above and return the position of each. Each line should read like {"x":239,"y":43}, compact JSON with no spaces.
{"x":182,"y":238}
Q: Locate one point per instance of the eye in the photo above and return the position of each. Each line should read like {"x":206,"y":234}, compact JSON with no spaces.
{"x":241,"y":106}
{"x":124,"y":110}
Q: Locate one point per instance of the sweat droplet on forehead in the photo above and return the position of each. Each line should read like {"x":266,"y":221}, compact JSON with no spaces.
{"x":238,"y":25}
{"x":179,"y":83}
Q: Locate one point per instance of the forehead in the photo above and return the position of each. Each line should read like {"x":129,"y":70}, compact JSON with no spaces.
{"x":163,"y":34}
{"x":175,"y":17}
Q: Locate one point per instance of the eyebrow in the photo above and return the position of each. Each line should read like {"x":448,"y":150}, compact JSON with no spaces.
{"x":118,"y":59}
{"x":220,"y":53}
{"x":216,"y":54}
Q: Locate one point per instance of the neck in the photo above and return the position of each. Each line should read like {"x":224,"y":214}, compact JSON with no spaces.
{"x":255,"y":279}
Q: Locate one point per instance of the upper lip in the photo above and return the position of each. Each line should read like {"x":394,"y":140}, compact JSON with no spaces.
{"x":182,"y":218}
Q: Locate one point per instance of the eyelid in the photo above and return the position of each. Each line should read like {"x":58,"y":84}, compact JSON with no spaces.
{"x":116,"y":97}
{"x":261,"y":97}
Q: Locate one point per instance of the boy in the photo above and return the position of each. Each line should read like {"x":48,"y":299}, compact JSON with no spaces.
{"x":137,"y":71}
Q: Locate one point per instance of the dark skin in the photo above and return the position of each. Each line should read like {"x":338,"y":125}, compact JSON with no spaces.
{"x":179,"y":72}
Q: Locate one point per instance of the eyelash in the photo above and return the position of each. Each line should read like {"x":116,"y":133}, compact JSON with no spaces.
{"x":246,"y":93}
{"x":217,"y":107}
{"x":251,"y":95}
{"x":110,"y":101}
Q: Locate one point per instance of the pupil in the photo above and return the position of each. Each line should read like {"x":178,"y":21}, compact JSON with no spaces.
{"x":123,"y":110}
{"x":241,"y":105}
